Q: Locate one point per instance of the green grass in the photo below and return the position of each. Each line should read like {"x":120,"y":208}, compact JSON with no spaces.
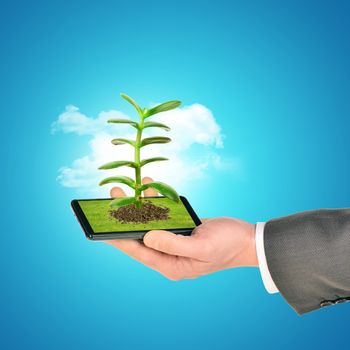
{"x":97,"y":213}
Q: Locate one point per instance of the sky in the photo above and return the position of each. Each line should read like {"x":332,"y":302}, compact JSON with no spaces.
{"x":195,"y":137}
{"x":266,"y":84}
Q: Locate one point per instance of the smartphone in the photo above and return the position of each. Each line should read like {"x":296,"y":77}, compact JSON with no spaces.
{"x":98,"y":221}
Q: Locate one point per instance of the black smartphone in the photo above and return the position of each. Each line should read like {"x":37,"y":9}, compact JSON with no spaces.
{"x":100,"y":222}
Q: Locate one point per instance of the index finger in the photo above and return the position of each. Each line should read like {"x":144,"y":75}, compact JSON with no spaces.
{"x":117,"y":192}
{"x":174,"y":244}
{"x":140,"y":252}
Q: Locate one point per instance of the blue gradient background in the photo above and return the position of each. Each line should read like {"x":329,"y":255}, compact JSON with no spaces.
{"x":275,"y":74}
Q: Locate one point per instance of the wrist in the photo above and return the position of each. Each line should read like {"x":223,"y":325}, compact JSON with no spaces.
{"x":248,"y":255}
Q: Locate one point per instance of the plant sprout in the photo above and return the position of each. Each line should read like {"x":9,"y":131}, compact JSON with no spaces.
{"x":137,"y":164}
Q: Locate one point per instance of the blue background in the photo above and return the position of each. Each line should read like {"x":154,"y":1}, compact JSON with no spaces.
{"x":275,"y":74}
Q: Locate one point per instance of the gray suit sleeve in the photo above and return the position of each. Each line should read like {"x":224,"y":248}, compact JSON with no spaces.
{"x":308,"y":255}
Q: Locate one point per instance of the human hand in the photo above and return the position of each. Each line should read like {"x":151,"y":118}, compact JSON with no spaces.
{"x":216,"y":244}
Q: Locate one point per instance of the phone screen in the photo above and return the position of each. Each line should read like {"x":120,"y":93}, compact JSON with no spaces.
{"x":102,"y":218}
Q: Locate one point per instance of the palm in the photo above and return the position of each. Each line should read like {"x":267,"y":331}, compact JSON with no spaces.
{"x":221,"y":240}
{"x":216,"y":244}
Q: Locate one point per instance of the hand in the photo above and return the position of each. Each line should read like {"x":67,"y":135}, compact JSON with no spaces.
{"x":216,"y":244}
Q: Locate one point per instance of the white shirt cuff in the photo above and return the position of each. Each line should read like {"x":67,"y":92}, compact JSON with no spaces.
{"x":260,"y":251}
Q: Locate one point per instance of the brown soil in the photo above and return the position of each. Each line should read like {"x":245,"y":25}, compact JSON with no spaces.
{"x":147,"y":212}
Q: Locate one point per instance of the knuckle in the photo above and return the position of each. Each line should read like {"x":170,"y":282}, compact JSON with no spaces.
{"x":198,"y":230}
{"x":165,"y":245}
{"x":157,"y":245}
{"x":173,"y":276}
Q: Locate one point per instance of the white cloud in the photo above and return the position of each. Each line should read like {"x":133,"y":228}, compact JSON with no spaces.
{"x":73,"y":121}
{"x":193,"y":152}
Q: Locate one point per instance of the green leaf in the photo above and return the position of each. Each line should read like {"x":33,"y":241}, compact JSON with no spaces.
{"x":117,"y":164}
{"x":124,"y":121}
{"x":121,"y":141}
{"x":163,"y":107}
{"x":155,"y":125}
{"x":155,"y":139}
{"x":119,"y":202}
{"x":133,"y":102}
{"x":150,"y":160}
{"x":163,"y":189}
{"x":119,"y":179}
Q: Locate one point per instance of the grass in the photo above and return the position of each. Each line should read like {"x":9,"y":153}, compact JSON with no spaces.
{"x":97,"y":213}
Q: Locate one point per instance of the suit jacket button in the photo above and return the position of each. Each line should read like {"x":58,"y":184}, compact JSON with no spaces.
{"x":341,"y":300}
{"x":326,"y":303}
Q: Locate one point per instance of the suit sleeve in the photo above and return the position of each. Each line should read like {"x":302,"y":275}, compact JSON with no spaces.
{"x":308,"y":256}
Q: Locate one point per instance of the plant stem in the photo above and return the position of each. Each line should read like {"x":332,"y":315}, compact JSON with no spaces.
{"x":137,"y":162}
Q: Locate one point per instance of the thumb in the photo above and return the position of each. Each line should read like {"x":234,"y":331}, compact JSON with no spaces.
{"x":173,"y":244}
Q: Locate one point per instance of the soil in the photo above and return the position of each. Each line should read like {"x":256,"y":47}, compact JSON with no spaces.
{"x":147,"y":212}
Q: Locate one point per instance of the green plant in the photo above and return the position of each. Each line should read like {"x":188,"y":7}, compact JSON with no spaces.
{"x":137,"y":164}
